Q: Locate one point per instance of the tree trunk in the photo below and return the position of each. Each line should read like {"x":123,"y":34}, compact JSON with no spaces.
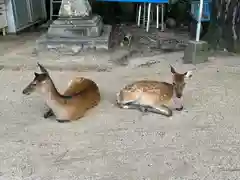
{"x":224,"y":28}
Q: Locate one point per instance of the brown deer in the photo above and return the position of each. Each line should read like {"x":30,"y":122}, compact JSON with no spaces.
{"x":154,"y":96}
{"x":81,"y":95}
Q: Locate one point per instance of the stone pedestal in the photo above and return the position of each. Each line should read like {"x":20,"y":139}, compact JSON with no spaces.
{"x":91,"y":26}
{"x":196,"y":52}
{"x":74,"y":34}
{"x":75,"y":45}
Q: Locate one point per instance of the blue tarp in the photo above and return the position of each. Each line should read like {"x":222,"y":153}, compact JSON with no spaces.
{"x":138,"y":1}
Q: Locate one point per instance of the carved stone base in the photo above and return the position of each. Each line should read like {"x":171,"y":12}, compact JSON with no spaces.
{"x":196,"y":52}
{"x":75,"y":45}
{"x":91,"y":26}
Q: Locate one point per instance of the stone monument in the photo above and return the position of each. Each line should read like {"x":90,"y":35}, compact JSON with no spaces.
{"x":75,"y":8}
{"x":76,"y":29}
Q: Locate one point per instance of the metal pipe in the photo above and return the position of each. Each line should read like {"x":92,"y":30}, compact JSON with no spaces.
{"x":149,"y":13}
{"x":162,"y":17}
{"x":199,"y":21}
{"x":157,"y":16}
{"x":127,"y":39}
{"x":139,"y":14}
{"x":51,"y":9}
{"x":144,"y":15}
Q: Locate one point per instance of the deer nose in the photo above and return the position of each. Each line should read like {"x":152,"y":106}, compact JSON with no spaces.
{"x":25,"y":92}
{"x":179,"y":95}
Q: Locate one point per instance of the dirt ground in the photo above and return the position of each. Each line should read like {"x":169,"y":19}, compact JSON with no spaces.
{"x":201,"y":142}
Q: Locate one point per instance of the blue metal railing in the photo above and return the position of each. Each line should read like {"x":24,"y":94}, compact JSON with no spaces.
{"x":206,"y":13}
{"x":138,"y":1}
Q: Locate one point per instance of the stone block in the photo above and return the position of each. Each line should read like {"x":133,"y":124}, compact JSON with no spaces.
{"x":75,"y":45}
{"x":196,"y":52}
{"x":91,"y":26}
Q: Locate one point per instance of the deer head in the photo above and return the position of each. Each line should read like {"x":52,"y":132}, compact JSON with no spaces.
{"x":179,"y":81}
{"x":41,"y":82}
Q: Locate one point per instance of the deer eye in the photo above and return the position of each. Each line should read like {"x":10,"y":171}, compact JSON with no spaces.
{"x":34,"y":83}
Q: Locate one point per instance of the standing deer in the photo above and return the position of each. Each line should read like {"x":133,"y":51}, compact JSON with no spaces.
{"x":154,"y":96}
{"x":81,"y":95}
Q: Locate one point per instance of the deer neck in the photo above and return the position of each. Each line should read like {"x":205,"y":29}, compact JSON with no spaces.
{"x":54,"y":99}
{"x":174,"y":93}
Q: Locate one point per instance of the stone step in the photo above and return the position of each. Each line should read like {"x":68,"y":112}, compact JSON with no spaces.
{"x":75,"y":45}
{"x":77,"y":27}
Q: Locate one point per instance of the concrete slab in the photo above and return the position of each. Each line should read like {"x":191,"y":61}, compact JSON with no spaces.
{"x":201,"y":142}
{"x":84,"y":61}
{"x":74,"y":27}
{"x":18,"y":52}
{"x":196,"y":52}
{"x":47,"y":42}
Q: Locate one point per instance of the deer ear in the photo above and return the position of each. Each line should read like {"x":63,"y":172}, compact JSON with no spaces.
{"x":188,"y":74}
{"x":42,"y":68}
{"x":36,"y":74}
{"x":172,"y":70}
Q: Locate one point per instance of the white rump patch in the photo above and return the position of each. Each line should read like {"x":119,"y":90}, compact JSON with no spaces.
{"x":70,"y":82}
{"x":189,"y":74}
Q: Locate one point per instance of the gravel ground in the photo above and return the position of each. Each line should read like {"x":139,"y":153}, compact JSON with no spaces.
{"x":201,"y":142}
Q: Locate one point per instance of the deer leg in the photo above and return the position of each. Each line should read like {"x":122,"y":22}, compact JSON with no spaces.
{"x":63,"y":121}
{"x":133,"y":105}
{"x":128,"y":105}
{"x":48,"y":114}
{"x":178,"y":104}
{"x":179,"y":109}
{"x":163,"y":110}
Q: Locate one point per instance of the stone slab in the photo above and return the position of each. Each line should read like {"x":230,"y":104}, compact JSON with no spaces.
{"x":196,"y":52}
{"x":86,"y":21}
{"x":75,"y":27}
{"x":75,"y":45}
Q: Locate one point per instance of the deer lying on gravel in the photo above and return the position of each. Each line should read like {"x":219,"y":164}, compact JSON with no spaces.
{"x":154,"y":96}
{"x":81,"y":95}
